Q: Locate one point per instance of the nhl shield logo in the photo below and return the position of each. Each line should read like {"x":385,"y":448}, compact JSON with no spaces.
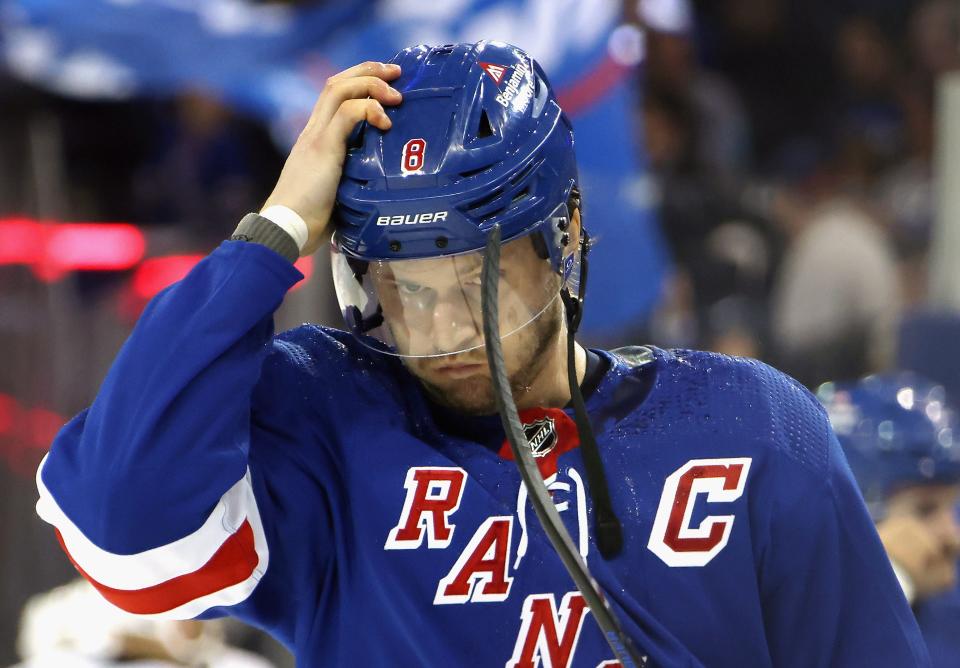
{"x":541,"y":436}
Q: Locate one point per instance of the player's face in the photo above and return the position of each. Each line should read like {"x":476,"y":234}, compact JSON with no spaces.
{"x":433,"y":306}
{"x":935,"y":505}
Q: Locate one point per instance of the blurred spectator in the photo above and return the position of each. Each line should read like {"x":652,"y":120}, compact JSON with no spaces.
{"x":725,"y":253}
{"x":776,"y":53}
{"x":934,"y":36}
{"x":899,"y":436}
{"x":74,"y":627}
{"x":207,"y":168}
{"x":870,"y":125}
{"x":671,"y":65}
{"x":907,"y":190}
{"x":837,"y":298}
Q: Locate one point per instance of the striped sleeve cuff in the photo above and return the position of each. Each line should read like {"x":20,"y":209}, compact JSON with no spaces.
{"x":219,"y":564}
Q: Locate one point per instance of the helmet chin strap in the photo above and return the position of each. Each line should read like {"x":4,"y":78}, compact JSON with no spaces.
{"x":537,"y":492}
{"x":607,"y":529}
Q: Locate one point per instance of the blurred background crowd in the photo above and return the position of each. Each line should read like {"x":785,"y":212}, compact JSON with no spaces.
{"x":780,"y":202}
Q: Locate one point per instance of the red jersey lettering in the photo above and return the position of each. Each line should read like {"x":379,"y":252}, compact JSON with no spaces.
{"x":433,"y":495}
{"x":480,"y":574}
{"x":548,"y":637}
{"x":672,"y":538}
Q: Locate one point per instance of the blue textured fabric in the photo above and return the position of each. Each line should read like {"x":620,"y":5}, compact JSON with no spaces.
{"x":330,"y":431}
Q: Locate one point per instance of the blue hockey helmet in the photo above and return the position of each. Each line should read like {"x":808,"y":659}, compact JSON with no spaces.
{"x":478,"y":140}
{"x":896,"y":430}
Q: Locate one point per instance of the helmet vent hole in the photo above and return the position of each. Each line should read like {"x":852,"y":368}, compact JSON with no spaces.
{"x":350,"y":215}
{"x":483,"y":201}
{"x":485,"y":130}
{"x":473,"y":172}
{"x":540,"y":96}
{"x":524,"y":173}
{"x":493,"y":214}
{"x":520,"y":196}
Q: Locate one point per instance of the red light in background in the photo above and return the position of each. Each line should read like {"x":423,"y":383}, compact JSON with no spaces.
{"x":90,"y":247}
{"x":34,"y":427}
{"x":156,"y":273}
{"x":25,"y":434}
{"x":8,"y":406}
{"x":42,"y":425}
{"x":305,"y":265}
{"x":57,"y":248}
{"x":22,"y":241}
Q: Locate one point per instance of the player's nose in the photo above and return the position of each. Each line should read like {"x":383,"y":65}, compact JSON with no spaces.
{"x":947,"y":528}
{"x":455,"y":326}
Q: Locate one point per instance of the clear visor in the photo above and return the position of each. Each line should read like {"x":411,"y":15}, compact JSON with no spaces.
{"x":432,"y":307}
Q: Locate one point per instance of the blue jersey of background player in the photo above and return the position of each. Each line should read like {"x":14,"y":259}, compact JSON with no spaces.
{"x":903,"y":443}
{"x":350,"y":491}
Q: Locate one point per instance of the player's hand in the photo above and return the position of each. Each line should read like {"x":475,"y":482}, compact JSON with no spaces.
{"x":308,"y":181}
{"x":930,"y":562}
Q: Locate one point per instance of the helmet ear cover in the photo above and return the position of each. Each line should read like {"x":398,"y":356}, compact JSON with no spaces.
{"x":559,"y":227}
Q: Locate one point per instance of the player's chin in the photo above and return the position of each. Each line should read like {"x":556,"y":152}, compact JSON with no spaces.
{"x":472,"y":395}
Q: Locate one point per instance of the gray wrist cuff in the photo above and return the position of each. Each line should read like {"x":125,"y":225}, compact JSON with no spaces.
{"x":259,"y":230}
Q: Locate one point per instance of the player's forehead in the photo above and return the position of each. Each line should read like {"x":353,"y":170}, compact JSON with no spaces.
{"x":515,"y":254}
{"x":434,"y":266}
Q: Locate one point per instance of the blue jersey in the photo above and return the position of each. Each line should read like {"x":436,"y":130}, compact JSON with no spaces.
{"x":305,"y":484}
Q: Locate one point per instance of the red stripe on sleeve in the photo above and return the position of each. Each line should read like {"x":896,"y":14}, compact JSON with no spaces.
{"x":233,"y":563}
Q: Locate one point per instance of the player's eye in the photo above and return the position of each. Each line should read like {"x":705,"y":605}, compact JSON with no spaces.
{"x":408,"y":288}
{"x":925,"y":509}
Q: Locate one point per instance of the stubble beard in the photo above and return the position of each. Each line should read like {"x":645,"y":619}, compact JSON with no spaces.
{"x":475,"y":395}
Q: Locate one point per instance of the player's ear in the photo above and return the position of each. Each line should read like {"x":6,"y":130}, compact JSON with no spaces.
{"x":573,"y":211}
{"x":574,"y":230}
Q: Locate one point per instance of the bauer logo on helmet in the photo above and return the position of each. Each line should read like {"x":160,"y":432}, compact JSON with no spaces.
{"x":413,"y":218}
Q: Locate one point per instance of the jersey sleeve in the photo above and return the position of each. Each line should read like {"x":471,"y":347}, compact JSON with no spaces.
{"x":151,"y":490}
{"x":830,"y":597}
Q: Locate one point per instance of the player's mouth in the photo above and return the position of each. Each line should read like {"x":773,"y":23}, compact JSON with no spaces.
{"x":459,"y":370}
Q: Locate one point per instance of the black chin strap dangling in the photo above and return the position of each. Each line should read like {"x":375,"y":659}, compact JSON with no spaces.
{"x":607,"y":528}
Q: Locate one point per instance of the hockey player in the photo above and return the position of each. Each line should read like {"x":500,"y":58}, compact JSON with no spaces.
{"x":903,"y":443}
{"x":350,"y":491}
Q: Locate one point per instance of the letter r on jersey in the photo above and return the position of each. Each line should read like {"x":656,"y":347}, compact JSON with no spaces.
{"x":672,"y":538}
{"x":433,"y":495}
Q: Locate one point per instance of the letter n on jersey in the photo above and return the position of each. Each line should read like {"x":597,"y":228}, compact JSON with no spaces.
{"x":672,"y":538}
{"x":433,"y":495}
{"x":548,"y":636}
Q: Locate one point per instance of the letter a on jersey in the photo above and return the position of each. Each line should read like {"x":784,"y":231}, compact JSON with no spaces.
{"x":496,"y":72}
{"x":548,"y":637}
{"x":433,"y":495}
{"x":480,"y":574}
